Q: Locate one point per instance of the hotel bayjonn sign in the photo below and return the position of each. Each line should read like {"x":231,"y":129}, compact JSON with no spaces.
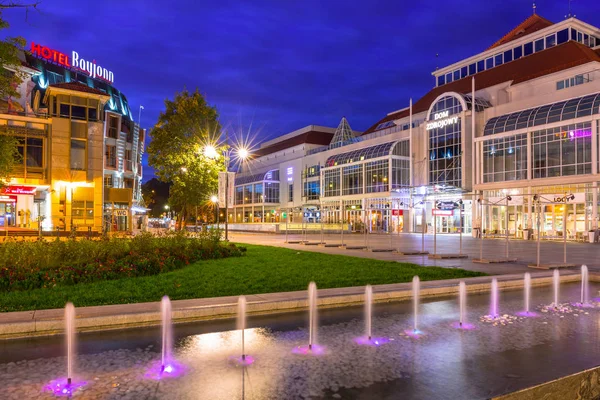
{"x":74,"y":62}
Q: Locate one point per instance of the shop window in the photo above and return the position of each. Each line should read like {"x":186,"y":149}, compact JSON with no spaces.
{"x":82,"y":212}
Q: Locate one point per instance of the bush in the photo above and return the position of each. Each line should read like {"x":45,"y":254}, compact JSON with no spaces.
{"x":42,"y":264}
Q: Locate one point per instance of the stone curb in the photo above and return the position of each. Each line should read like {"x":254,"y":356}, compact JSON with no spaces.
{"x":50,"y":322}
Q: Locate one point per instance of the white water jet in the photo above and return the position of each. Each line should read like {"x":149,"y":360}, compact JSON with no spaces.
{"x":241,"y":321}
{"x":527,"y":284}
{"x":494,"y":299}
{"x":312,"y":303}
{"x":167,"y":340}
{"x":462,"y":297}
{"x":556,"y":284}
{"x":416,"y":287}
{"x":368,"y":309}
{"x":70,"y":335}
{"x":585,"y":289}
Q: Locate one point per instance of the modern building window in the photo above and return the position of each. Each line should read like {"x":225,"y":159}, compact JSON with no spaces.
{"x":113,"y":127}
{"x":377,"y":176}
{"x":472,"y":69}
{"x":562,"y":151}
{"x":528,"y":48}
{"x":480,"y":66}
{"x":248,"y":194}
{"x":108,"y":181}
{"x":562,"y":36}
{"x":489,"y":63}
{"x":508,"y":56}
{"x":82,"y":212}
{"x":271,"y":192}
{"x":441,"y":80}
{"x":401,"y":149}
{"x":400,"y":173}
{"x":448,"y":78}
{"x":456,"y":75}
{"x":445,"y":146}
{"x":128,"y":161}
{"x":539,"y":45}
{"x":239,"y":195}
{"x":550,"y":41}
{"x":505,"y":159}
{"x":331,"y":182}
{"x":75,"y":107}
{"x":517,"y":52}
{"x":498,"y":60}
{"x":573,"y":81}
{"x":128,"y":183}
{"x":463,"y":72}
{"x":312,"y":171}
{"x":312,"y":190}
{"x":258,"y":193}
{"x":290,"y":192}
{"x":352,"y":179}
{"x":31,"y":151}
{"x":111,"y":156}
{"x":78,"y":145}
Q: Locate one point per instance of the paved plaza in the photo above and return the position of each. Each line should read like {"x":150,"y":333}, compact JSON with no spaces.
{"x":524,"y":251}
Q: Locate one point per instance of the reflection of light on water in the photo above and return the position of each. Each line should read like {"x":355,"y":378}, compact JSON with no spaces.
{"x":223,"y":342}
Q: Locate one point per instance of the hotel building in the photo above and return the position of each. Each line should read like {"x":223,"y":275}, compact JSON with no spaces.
{"x":504,"y":139}
{"x":80,"y":165}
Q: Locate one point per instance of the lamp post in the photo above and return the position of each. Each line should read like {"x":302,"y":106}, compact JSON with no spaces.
{"x":215,"y":200}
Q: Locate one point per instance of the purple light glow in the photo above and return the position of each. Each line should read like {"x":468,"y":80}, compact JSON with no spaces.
{"x":373,"y":342}
{"x":579,"y":133}
{"x":172,"y":369}
{"x":315,"y":350}
{"x":528,"y":314}
{"x":579,"y":304}
{"x":62,"y":388}
{"x":414,"y":333}
{"x":465,"y":326}
{"x":242,"y":361}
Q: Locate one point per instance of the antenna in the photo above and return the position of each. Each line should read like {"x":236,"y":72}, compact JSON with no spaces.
{"x":570,"y":15}
{"x":534,"y":8}
{"x":436,"y":60}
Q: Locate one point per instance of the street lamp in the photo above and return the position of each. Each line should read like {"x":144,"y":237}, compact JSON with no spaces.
{"x":242,"y":154}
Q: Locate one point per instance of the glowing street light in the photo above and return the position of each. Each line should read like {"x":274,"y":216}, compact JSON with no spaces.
{"x":166,"y":206}
{"x":183,"y":169}
{"x":211,"y":152}
{"x":214,"y":199}
{"x":243,"y":153}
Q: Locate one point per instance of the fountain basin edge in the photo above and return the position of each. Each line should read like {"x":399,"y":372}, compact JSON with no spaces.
{"x":97,"y":318}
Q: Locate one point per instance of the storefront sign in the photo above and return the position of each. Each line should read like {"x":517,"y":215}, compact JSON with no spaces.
{"x":75,"y":62}
{"x":442,"y":213}
{"x":8,"y":199}
{"x":441,"y":120}
{"x":446,"y":205}
{"x":397,"y":213}
{"x":120,"y":213}
{"x":19,"y":189}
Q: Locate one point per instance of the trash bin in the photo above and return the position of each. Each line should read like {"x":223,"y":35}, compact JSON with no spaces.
{"x":592,"y":236}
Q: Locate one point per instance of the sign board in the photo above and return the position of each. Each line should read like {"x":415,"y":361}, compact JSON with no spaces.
{"x":19,"y":189}
{"x":446,"y":205}
{"x":442,"y":213}
{"x":441,"y":120}
{"x":229,"y":191}
{"x":120,"y":213}
{"x":75,"y":62}
{"x":8,"y":199}
{"x":397,"y":213}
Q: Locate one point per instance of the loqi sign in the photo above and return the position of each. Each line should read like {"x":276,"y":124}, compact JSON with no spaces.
{"x":397,"y":213}
{"x":89,"y":67}
{"x":19,"y":189}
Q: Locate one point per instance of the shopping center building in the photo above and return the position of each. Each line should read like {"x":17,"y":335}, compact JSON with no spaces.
{"x":80,"y":165}
{"x":503,"y":138}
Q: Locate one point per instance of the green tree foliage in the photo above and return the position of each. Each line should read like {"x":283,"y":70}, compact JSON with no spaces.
{"x":11,"y":76}
{"x":176,"y":151}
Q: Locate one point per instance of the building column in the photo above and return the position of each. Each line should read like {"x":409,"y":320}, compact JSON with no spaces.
{"x":595,"y":205}
{"x":529,"y":208}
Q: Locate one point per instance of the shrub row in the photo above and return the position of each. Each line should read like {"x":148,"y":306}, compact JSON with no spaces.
{"x":42,"y":264}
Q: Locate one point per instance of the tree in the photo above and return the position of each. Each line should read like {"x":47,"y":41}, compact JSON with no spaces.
{"x":156,"y":196}
{"x":186,"y":126}
{"x":11,"y":76}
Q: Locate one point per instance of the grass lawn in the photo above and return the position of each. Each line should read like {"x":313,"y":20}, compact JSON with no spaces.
{"x":262,"y":270}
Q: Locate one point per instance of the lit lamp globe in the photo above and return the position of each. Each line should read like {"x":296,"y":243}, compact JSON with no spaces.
{"x":214,"y":199}
{"x":243,"y":153}
{"x":211,"y":152}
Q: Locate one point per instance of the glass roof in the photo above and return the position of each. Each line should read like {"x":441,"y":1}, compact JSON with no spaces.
{"x":272,"y":175}
{"x":480,"y":104}
{"x":561,"y":111}
{"x":379,"y":150}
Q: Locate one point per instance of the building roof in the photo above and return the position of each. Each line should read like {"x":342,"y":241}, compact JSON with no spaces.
{"x":310,"y":137}
{"x":532,"y":24}
{"x":567,"y":55}
{"x":78,"y":87}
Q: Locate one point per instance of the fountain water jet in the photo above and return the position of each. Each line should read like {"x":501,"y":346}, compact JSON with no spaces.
{"x":527,"y":295}
{"x":67,"y":386}
{"x":416,"y":288}
{"x":167,"y":341}
{"x":368,"y":339}
{"x":241,"y":326}
{"x":585,"y":295}
{"x":556,"y":285}
{"x":462,"y":303}
{"x":494,"y":299}
{"x":312,"y":347}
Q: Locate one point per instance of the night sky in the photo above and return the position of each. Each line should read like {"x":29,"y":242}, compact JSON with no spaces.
{"x":271,"y":67}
